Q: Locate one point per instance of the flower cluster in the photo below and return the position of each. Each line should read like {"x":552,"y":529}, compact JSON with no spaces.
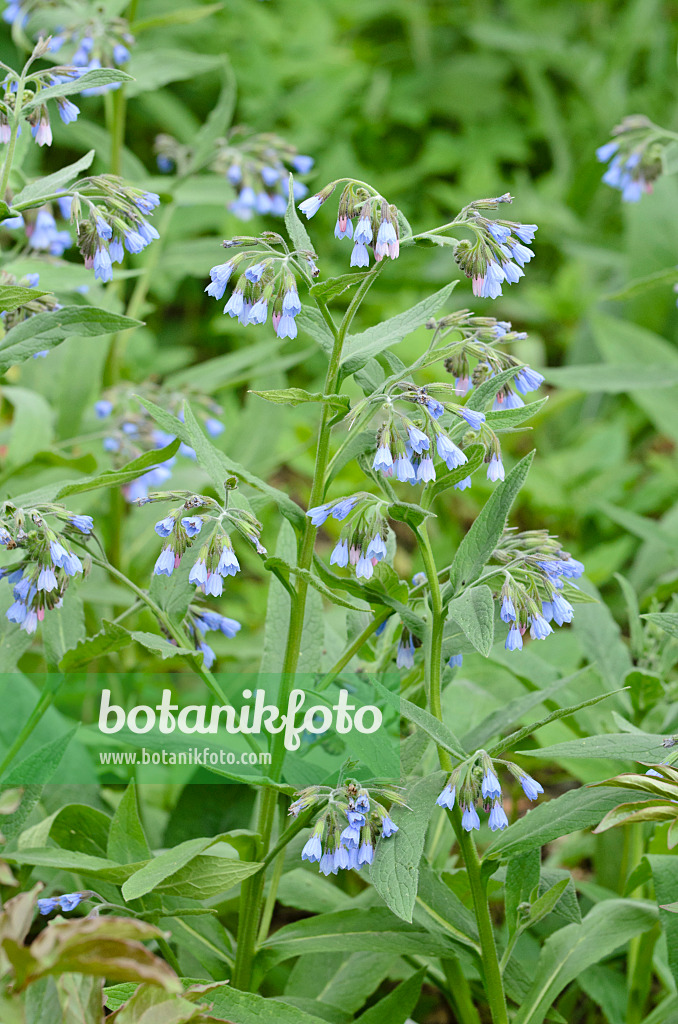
{"x":110,"y":217}
{"x":345,"y":833}
{"x":258,"y":167}
{"x":40,"y":304}
{"x":216,"y":559}
{"x":46,"y":563}
{"x":475,"y":779}
{"x":537,"y":571}
{"x":362,"y":542}
{"x":635,"y":157}
{"x":69,"y":901}
{"x":201,"y":620}
{"x":409,"y":446}
{"x":376,"y":221}
{"x":131,"y":431}
{"x":499,"y":250}
{"x":265,"y":281}
{"x":31,"y":108}
{"x":42,"y":232}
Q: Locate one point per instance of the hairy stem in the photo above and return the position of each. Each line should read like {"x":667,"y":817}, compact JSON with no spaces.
{"x":493,"y":981}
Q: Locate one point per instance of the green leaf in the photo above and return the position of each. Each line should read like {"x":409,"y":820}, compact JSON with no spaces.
{"x":158,"y":645}
{"x":116,"y":477}
{"x":90,"y":80}
{"x":334,"y":286}
{"x":475,"y":455}
{"x":477,"y":546}
{"x":601,"y":377}
{"x":180,"y":16}
{"x":311,"y":320}
{"x":38,"y":767}
{"x":395,"y":871}
{"x":359,"y":348}
{"x":508,"y":419}
{"x":13,"y":296}
{"x":295,"y":228}
{"x":297,"y":396}
{"x":373,"y":930}
{"x":437,"y":730}
{"x":220,"y":465}
{"x":622,"y":746}
{"x":207,"y":876}
{"x":486,"y":392}
{"x":668,"y":621}
{"x":572,"y":949}
{"x":166,"y":871}
{"x":522,"y":878}
{"x":32,"y":194}
{"x":396,"y":1007}
{"x":574,"y":810}
{"x":32,"y":424}
{"x":248,"y":1008}
{"x":112,"y":637}
{"x":47,"y":330}
{"x":439,"y":908}
{"x":473,"y":611}
{"x":72,"y":860}
{"x":127,"y":843}
{"x":63,"y":628}
{"x":404,"y":512}
{"x":658,"y":279}
{"x":546,"y":903}
{"x":153,"y":68}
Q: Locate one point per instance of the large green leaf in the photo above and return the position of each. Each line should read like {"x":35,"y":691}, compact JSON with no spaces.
{"x":572,"y":949}
{"x":46,"y":330}
{"x":395,"y":871}
{"x":32,"y":194}
{"x":473,"y":610}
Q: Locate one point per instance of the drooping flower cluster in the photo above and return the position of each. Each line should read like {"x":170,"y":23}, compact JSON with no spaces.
{"x":635,"y":156}
{"x":216,"y":559}
{"x":110,"y":217}
{"x":475,"y":779}
{"x":41,"y":537}
{"x":35,"y":112}
{"x":409,"y":446}
{"x":131,"y":431}
{"x":266,"y":281}
{"x":258,"y":167}
{"x":69,"y":901}
{"x":40,"y":304}
{"x":42,"y":232}
{"x":200,"y":620}
{"x":536,"y":573}
{"x":376,"y":221}
{"x":347,"y":830}
{"x":499,"y":250}
{"x":362,"y":542}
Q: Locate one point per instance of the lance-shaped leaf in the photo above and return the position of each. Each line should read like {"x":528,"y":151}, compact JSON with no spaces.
{"x":46,"y":330}
{"x":474,"y":612}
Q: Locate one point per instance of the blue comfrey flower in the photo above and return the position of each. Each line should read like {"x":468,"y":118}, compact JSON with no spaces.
{"x":456,"y":661}
{"x":495,"y":469}
{"x":343,"y":228}
{"x":302,"y":164}
{"x":165,"y":563}
{"x":17,"y":613}
{"x":214,"y":427}
{"x":531,"y":787}
{"x":198,"y":573}
{"x":418,"y":439}
{"x":254,"y":272}
{"x":147,"y":202}
{"x":258,"y":312}
{"x":508,"y":611}
{"x":165,"y":526}
{"x":68,"y":112}
{"x":603,"y":153}
{"x":342,"y":508}
{"x":355,"y":817}
{"x":319,"y":514}
{"x":66,"y":903}
{"x":339,"y":555}
{"x":404,"y":470}
{"x":449,"y":452}
{"x":474,"y":418}
{"x":103,"y":268}
{"x":462,"y":485}
{"x":234,"y":306}
{"x":520,"y":253}
{"x":435,"y":408}
{"x":527,"y":380}
{"x":470,"y":819}
{"x":514,"y":640}
{"x":447,"y":797}
{"x":313,"y":849}
{"x":208,"y":655}
{"x":291,"y":304}
{"x":507,"y":399}
{"x":286,"y":327}
{"x":405,"y":652}
{"x":426,"y":470}
{"x":46,"y":236}
{"x":383,"y":459}
{"x":351,"y":836}
{"x":388,"y":827}
{"x":500,"y":232}
{"x":192,"y":525}
{"x":13,"y":223}
{"x":214,"y":585}
{"x":561,"y":609}
{"x":228,"y":564}
{"x":490,"y":788}
{"x":363,"y":232}
{"x":498,"y":819}
{"x":310,"y":206}
{"x":359,"y":256}
{"x":47,"y":580}
{"x":539,"y":627}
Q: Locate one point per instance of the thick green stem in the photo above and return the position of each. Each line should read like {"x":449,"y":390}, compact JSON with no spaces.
{"x":491,"y":970}
{"x":353,"y":648}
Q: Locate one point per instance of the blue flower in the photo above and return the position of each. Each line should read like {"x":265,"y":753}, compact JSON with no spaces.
{"x":474,"y":418}
{"x":495,"y":470}
{"x":342,"y":508}
{"x":363,"y":232}
{"x":525,"y":232}
{"x":405,"y":653}
{"x":70,"y":901}
{"x":164,"y":565}
{"x":418,"y":439}
{"x":561,"y":609}
{"x":47,"y":904}
{"x":531,"y":787}
{"x":103,"y":408}
{"x":192,"y":525}
{"x":291,"y":304}
{"x":214,"y":427}
{"x":521,"y":254}
{"x":376,"y":548}
{"x":310,"y":206}
{"x":528,"y":380}
{"x":498,"y":819}
{"x":449,"y":452}
{"x":490,"y":788}
{"x":287,"y":327}
{"x":313,"y":849}
{"x":383,"y":458}
{"x":435,"y":408}
{"x":514,"y":640}
{"x":198,"y":573}
{"x":219,"y":278}
{"x":340,"y":554}
{"x":500,"y":232}
{"x":539,"y":627}
{"x":165,"y":526}
{"x":355,"y":817}
{"x":426,"y":470}
{"x":214,"y":585}
{"x":228,"y":563}
{"x":319,"y":514}
{"x":364,"y":570}
{"x":447,"y":797}
{"x":351,"y":836}
{"x":343,"y":228}
{"x":470,"y":819}
{"x":302,"y":164}
{"x":68,"y":112}
{"x":388,"y":827}
{"x":456,"y":661}
{"x":404,"y":470}
{"x":366,"y":853}
{"x":47,"y":580}
{"x":508,"y":612}
{"x":359,"y":255}
{"x":103,"y":269}
{"x":254,"y":272}
{"x":234,"y":306}
{"x":462,"y":485}
{"x":603,"y":153}
{"x":147,"y":202}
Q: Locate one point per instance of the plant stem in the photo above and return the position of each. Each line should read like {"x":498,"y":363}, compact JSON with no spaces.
{"x":44,"y":703}
{"x":493,"y":981}
{"x":9,"y":159}
{"x":372,"y":626}
{"x":251,"y":892}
